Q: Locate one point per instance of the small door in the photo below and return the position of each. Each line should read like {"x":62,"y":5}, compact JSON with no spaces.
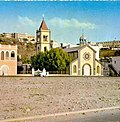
{"x":86,"y":70}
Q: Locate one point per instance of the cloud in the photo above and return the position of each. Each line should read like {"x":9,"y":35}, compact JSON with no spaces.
{"x":24,"y":24}
{"x":26,"y":21}
{"x":70,"y":23}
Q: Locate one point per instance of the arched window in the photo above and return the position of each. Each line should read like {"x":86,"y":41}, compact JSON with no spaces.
{"x":74,"y":69}
{"x":7,"y":55}
{"x":98,"y":69}
{"x":38,"y":48}
{"x":2,"y":55}
{"x":45,"y":38}
{"x":45,"y":49}
{"x":12,"y":55}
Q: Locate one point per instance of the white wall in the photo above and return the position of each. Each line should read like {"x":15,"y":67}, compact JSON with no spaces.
{"x":97,"y":49}
{"x":116,"y":63}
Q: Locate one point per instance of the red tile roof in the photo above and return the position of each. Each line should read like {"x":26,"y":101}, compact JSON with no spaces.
{"x":43,"y":25}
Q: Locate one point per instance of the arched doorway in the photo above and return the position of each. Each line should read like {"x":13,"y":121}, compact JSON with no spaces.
{"x":4,"y":70}
{"x":86,"y":70}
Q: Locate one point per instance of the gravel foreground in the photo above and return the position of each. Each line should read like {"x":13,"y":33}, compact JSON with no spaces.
{"x":29,"y":96}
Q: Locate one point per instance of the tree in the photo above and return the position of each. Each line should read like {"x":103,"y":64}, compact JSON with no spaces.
{"x":54,"y":60}
{"x":38,"y":61}
{"x":25,"y":60}
{"x":25,"y":39}
{"x":117,"y":53}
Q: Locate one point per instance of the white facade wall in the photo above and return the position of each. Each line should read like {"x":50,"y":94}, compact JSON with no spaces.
{"x":97,"y":49}
{"x":116,"y":63}
{"x":54,"y":44}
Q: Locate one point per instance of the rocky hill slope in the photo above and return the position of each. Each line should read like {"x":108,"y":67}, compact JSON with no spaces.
{"x":24,"y":50}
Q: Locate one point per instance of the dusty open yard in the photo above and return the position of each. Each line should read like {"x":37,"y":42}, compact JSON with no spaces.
{"x":28,"y":96}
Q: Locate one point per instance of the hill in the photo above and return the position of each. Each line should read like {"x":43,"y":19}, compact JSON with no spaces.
{"x":25,"y":51}
{"x":109,"y":53}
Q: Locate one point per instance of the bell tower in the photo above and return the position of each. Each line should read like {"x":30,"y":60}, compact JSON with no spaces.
{"x":43,"y":37}
{"x":83,"y":40}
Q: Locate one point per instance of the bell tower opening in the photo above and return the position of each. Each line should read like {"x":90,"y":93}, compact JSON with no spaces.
{"x":83,"y":40}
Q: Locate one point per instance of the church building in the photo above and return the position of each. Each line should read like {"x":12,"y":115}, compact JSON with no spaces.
{"x":85,"y":60}
{"x":43,"y":38}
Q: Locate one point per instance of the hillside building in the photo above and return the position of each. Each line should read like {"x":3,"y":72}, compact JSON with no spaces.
{"x":7,"y":35}
{"x":110,"y":44}
{"x":8,"y":60}
{"x":20,"y":37}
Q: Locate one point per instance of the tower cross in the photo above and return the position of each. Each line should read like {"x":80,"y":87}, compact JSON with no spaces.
{"x":43,"y":16}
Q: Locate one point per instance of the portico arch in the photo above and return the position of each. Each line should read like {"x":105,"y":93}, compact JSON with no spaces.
{"x":4,"y":70}
{"x":86,"y":70}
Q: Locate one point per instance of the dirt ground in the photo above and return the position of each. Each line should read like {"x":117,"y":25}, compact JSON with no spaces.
{"x":29,"y":96}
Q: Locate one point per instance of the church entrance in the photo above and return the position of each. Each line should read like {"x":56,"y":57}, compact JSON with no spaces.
{"x":86,"y":70}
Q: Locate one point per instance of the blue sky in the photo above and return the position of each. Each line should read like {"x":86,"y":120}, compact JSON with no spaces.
{"x":100,"y":21}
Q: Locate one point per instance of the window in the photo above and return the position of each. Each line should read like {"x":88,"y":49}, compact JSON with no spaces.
{"x":45,"y":49}
{"x":12,"y":55}
{"x":45,"y":38}
{"x":7,"y":55}
{"x":74,"y":69}
{"x":75,"y":55}
{"x":2,"y":55}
